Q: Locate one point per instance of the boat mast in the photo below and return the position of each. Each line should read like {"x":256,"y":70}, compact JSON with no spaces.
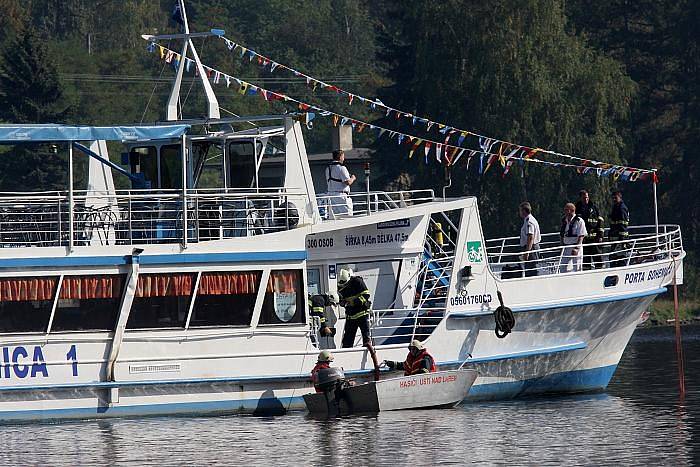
{"x":172,"y":112}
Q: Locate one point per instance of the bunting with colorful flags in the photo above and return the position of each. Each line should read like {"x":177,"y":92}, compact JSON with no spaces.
{"x":491,"y":149}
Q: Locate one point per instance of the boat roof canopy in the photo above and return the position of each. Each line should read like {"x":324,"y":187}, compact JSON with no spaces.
{"x":13,"y":134}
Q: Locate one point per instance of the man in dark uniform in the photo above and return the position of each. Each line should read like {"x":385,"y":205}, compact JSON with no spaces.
{"x":354,"y":296}
{"x":619,"y":222}
{"x":590,"y":214}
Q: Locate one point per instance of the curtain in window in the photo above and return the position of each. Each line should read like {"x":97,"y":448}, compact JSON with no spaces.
{"x":165,"y":285}
{"x":91,"y":287}
{"x":27,"y":289}
{"x":229,"y":283}
{"x":283,"y":281}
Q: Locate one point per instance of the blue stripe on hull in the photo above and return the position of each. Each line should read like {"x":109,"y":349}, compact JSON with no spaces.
{"x":594,"y":379}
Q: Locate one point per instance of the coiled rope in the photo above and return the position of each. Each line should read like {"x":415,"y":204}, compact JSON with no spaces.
{"x":505,"y":321}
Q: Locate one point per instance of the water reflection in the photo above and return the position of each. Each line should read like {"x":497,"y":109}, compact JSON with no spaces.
{"x":639,"y":420}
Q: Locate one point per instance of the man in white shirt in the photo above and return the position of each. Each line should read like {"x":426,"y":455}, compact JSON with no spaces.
{"x":573,"y":231}
{"x":339,"y":180}
{"x":530,"y":239}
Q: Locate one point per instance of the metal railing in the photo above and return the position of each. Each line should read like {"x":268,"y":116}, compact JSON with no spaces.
{"x":143,"y":217}
{"x":641,"y":246}
{"x":361,"y":204}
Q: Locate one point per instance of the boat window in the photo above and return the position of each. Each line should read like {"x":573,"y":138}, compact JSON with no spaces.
{"x":161,"y":301}
{"x":144,"y":160}
{"x":284,"y":299}
{"x":208,"y":159}
{"x":170,"y":167}
{"x":313,"y":279}
{"x":610,"y":281}
{"x":381,"y":278}
{"x":242,"y":164}
{"x":25,"y":303}
{"x":225,"y":299}
{"x":88,"y":303}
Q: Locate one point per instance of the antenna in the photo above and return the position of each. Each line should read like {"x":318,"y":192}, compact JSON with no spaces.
{"x":212,"y":102}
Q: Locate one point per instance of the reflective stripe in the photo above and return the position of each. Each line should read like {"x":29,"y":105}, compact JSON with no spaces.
{"x":359,"y":315}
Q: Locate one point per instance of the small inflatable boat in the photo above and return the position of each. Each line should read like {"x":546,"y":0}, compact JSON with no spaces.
{"x":425,"y":391}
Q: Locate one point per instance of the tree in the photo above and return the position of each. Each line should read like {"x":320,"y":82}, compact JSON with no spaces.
{"x":30,"y":92}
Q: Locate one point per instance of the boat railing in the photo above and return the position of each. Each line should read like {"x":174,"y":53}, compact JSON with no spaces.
{"x":642,"y":245}
{"x":335,"y":206}
{"x":143,"y":216}
{"x":400,"y":326}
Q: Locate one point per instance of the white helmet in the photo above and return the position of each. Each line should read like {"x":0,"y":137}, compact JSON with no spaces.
{"x":325,"y":356}
{"x":344,"y":276}
{"x":332,"y":298}
{"x":415,"y":343}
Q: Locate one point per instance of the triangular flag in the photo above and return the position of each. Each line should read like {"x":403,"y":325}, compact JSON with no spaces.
{"x":438,"y":152}
{"x":416,"y":143}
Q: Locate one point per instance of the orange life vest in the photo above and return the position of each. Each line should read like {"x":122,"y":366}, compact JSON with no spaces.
{"x":414,"y":365}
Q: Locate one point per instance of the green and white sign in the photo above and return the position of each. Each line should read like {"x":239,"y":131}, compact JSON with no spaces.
{"x":475,"y":252}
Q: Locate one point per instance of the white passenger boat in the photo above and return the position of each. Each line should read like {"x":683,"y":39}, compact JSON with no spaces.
{"x":187,"y":293}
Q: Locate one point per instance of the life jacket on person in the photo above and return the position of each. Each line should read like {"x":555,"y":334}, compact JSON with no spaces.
{"x":414,"y":364}
{"x":329,"y":170}
{"x":570,"y":231}
{"x":314,"y":373}
{"x":356,"y":296}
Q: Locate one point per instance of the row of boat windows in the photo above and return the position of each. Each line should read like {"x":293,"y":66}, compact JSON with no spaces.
{"x":172,"y":300}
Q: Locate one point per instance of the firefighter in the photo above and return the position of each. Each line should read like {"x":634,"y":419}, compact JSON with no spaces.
{"x":590,"y":214}
{"x":325,"y":357}
{"x":417,"y":361}
{"x":317,"y":309}
{"x":354,"y":296}
{"x":619,"y":222}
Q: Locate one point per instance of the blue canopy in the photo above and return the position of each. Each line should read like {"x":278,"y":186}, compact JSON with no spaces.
{"x":47,"y":133}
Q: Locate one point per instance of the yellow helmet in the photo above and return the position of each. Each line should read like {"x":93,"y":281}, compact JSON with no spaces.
{"x":325,"y":356}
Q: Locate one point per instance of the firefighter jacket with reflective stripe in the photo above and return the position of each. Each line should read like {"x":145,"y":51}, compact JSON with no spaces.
{"x":619,"y":221}
{"x":594,"y":221}
{"x":421,"y":363}
{"x":355,"y":298}
{"x":317,"y":307}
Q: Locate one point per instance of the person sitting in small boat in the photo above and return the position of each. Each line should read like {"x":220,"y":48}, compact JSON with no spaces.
{"x":325,"y":357}
{"x":418,"y":360}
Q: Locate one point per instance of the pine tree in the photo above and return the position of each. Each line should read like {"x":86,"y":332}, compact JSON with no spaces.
{"x":30,"y":92}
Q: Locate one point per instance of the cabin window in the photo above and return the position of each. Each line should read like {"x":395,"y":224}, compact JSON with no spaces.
{"x":26,"y":303}
{"x":225,"y":299}
{"x":144,"y":160}
{"x":170,"y":167}
{"x":88,"y":303}
{"x":161,"y":301}
{"x":209,"y":165}
{"x":242,"y":164}
{"x":284,"y":299}
{"x":610,"y":281}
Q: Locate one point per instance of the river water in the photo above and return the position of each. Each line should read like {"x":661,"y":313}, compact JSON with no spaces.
{"x":640,"y":419}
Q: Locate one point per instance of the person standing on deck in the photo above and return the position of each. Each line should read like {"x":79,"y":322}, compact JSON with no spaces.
{"x":339,"y":180}
{"x":317,"y":310}
{"x":354,"y":296}
{"x":619,"y":222}
{"x":573,"y":231}
{"x":417,"y":362}
{"x":530,"y":239}
{"x":590,"y":214}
